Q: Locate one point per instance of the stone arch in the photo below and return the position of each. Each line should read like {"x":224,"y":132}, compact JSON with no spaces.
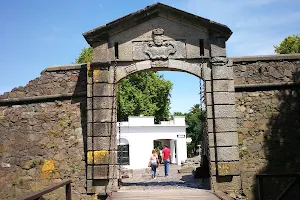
{"x":221,"y":146}
{"x":195,"y":68}
{"x":158,"y":43}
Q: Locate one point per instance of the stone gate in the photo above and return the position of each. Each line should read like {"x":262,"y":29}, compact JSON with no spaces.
{"x":160,"y":38}
{"x":62,"y":124}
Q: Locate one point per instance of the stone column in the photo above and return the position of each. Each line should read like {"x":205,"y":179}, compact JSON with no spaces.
{"x":102,"y":174}
{"x":172,"y":148}
{"x":221,"y":120}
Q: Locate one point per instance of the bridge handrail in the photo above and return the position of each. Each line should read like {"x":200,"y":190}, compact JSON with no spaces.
{"x":38,"y":194}
{"x":285,"y":191}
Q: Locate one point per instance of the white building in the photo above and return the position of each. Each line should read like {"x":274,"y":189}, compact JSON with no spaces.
{"x":138,"y":136}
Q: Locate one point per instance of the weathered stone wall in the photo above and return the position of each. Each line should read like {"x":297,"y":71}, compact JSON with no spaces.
{"x":268,"y":120}
{"x":43,"y":139}
{"x":69,"y":79}
{"x":42,"y":143}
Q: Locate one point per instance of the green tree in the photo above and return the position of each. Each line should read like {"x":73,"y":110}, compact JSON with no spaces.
{"x":143,"y":93}
{"x":178,"y":114}
{"x":85,"y":55}
{"x":290,"y":44}
{"x":195,"y":124}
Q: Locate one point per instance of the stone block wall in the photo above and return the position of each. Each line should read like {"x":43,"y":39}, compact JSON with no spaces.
{"x":68,"y":79}
{"x":268,"y":120}
{"x":55,"y":125}
{"x":43,"y":139}
{"x":102,"y":173}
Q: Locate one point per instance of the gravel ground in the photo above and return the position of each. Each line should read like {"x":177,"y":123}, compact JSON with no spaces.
{"x":142,"y":180}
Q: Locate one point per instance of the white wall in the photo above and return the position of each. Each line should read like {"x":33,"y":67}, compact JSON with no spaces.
{"x":140,"y":132}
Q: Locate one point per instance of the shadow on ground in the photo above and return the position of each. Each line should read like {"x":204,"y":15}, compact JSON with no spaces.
{"x":186,"y":181}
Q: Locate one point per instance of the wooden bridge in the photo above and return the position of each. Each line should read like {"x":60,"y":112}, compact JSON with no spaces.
{"x":174,"y":194}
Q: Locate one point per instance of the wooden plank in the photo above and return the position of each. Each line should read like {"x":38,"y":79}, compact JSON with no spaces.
{"x":164,"y":195}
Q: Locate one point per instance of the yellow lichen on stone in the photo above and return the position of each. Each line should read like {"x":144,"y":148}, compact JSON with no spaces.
{"x":48,"y":165}
{"x":99,"y":156}
{"x":88,"y":66}
{"x":36,"y":187}
{"x":95,"y":197}
{"x":48,"y":170}
{"x":227,"y":168}
{"x":96,"y":75}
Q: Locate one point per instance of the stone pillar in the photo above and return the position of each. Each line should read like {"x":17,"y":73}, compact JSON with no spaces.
{"x":102,"y":173}
{"x":221,"y":120}
{"x":172,"y":148}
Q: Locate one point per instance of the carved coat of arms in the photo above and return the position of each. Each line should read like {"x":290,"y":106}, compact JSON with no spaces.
{"x":159,"y":49}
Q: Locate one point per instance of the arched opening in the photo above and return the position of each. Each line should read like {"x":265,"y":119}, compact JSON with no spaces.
{"x":145,"y":129}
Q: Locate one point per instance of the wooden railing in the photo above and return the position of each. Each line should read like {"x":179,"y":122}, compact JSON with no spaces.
{"x":285,"y":192}
{"x":38,"y":194}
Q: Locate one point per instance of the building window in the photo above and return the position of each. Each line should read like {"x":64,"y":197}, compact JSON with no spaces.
{"x":123,"y":154}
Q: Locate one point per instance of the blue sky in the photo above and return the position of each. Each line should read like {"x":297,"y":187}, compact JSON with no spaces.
{"x":36,"y":34}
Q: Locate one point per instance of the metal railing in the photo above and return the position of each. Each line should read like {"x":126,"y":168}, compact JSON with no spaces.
{"x":39,"y":194}
{"x":285,"y":192}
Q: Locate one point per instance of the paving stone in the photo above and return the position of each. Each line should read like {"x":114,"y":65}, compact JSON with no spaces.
{"x":141,"y":180}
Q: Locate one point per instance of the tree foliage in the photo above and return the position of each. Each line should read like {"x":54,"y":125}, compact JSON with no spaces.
{"x":195,"y":124}
{"x":143,"y":93}
{"x":195,"y":120}
{"x":290,"y":44}
{"x":85,"y":55}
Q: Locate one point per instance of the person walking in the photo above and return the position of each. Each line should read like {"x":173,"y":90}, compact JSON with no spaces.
{"x":153,"y":163}
{"x":166,"y":158}
{"x":159,"y":156}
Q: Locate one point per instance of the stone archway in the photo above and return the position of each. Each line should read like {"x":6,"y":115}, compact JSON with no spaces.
{"x":194,"y":45}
